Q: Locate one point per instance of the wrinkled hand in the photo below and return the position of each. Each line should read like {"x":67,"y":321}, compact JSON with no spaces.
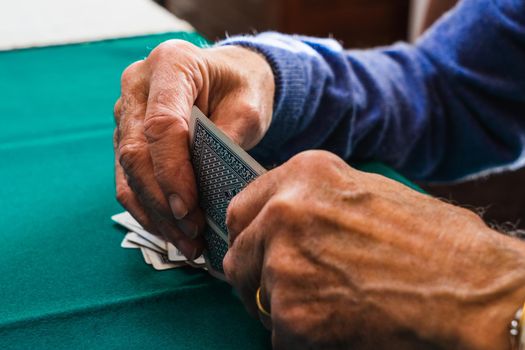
{"x":347,"y":259}
{"x":154,"y":176}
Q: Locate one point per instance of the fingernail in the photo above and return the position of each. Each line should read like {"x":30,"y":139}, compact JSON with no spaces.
{"x":231,"y":236}
{"x":178,"y":208}
{"x":190,"y":229}
{"x":187,"y":249}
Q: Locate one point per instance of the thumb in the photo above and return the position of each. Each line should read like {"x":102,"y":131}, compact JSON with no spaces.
{"x":243,"y":121}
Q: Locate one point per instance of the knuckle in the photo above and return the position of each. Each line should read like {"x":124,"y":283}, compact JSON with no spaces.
{"x":303,"y":161}
{"x":131,"y":154}
{"x":163,"y":50}
{"x":229,"y":268}
{"x":169,"y":48}
{"x":282,"y":208}
{"x":316,"y":164}
{"x":131,"y":73}
{"x":122,"y":195}
{"x":281,"y":212}
{"x":164,"y":103}
{"x":157,"y":126}
{"x":232,"y":221}
{"x":313,"y":159}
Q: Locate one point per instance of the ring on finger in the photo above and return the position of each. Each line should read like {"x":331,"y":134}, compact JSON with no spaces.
{"x":261,"y":308}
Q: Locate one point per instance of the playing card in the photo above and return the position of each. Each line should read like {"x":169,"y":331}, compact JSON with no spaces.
{"x":161,"y":262}
{"x":222,"y":169}
{"x":145,"y":255}
{"x":135,"y":240}
{"x":199,"y":262}
{"x":133,"y":237}
{"x":174,"y":254}
{"x":125,"y":219}
{"x":127,"y":244}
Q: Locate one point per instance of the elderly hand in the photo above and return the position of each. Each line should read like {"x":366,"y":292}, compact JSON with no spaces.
{"x":154,"y":176}
{"x":346,"y":259}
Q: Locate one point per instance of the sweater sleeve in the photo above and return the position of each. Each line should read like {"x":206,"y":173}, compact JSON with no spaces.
{"x":448,"y":107}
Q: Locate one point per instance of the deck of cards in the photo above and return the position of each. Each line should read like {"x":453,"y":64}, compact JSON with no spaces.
{"x":222,"y":170}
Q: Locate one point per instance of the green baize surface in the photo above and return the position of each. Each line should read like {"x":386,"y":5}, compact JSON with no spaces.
{"x":65,"y":283}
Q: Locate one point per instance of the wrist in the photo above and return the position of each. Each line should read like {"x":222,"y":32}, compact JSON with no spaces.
{"x":501,"y":295}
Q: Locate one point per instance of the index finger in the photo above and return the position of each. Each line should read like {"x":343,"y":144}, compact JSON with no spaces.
{"x":247,"y":204}
{"x":171,"y":96}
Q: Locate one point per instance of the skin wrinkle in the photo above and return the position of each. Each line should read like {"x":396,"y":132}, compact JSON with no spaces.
{"x":365,"y":252}
{"x":313,"y":256}
{"x":179,"y":56}
{"x":325,"y":263}
{"x":328,"y":220}
{"x":425,"y":297}
{"x":137,"y":149}
{"x":217,"y":82}
{"x":134,"y":110}
{"x":372,"y":257}
{"x":247,"y":240}
{"x":453,"y":292}
{"x":161,"y":125}
{"x":168,"y":82}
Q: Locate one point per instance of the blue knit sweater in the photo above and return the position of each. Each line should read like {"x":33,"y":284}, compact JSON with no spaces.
{"x":448,"y":107}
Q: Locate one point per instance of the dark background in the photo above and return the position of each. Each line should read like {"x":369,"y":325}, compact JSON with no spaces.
{"x":360,"y":23}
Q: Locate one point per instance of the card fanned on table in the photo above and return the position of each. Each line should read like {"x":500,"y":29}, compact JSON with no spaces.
{"x":222,"y":169}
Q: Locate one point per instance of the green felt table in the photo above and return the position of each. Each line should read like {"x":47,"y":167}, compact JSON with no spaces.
{"x":65,"y":283}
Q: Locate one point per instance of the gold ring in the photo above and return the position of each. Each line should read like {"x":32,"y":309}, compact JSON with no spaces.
{"x":259,"y":304}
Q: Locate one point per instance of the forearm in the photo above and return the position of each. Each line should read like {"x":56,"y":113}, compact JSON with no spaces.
{"x":441,"y":110}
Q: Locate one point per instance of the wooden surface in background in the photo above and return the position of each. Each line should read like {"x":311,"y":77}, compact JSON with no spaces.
{"x":501,"y":197}
{"x":361,"y":23}
{"x":357,"y":23}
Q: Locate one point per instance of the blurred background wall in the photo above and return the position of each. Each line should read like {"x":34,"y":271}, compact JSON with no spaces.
{"x":356,"y":23}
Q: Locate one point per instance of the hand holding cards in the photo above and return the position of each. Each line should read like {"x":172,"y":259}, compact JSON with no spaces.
{"x":222,"y":169}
